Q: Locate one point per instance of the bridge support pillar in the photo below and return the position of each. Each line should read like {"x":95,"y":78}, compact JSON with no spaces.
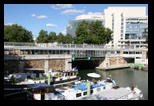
{"x":21,"y":66}
{"x":68,"y":64}
{"x":46,"y":66}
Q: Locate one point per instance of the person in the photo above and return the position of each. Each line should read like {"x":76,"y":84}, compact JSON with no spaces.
{"x":132,"y":85}
{"x":42,"y":94}
{"x":13,"y":79}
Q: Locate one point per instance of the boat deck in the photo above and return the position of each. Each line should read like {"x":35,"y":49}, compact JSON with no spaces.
{"x":111,"y":94}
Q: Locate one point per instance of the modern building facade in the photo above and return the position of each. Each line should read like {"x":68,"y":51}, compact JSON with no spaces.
{"x":71,"y":27}
{"x":127,"y":24}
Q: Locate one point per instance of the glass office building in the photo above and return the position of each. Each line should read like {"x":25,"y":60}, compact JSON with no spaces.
{"x":73,"y":24}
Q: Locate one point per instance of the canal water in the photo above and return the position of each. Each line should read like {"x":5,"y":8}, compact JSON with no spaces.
{"x":123,"y":78}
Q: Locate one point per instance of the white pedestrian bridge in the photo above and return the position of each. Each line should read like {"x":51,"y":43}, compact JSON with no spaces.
{"x":15,"y":50}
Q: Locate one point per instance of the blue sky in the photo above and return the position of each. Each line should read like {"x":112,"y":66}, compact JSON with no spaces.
{"x":51,"y":17}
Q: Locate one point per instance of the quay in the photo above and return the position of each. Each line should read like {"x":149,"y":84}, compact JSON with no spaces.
{"x":113,"y":61}
{"x":113,"y":67}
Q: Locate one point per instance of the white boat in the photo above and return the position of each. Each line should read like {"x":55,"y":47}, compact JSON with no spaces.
{"x":86,"y":90}
{"x":56,"y":78}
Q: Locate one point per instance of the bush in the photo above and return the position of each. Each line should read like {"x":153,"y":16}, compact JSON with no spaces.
{"x":136,"y":67}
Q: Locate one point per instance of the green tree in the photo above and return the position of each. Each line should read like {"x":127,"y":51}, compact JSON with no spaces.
{"x":60,"y":38}
{"x":43,"y":37}
{"x":52,"y":37}
{"x":68,"y":39}
{"x":82,"y":32}
{"x":16,"y":33}
{"x":92,"y":33}
{"x":107,"y":35}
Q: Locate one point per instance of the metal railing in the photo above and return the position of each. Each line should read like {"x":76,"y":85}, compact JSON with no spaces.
{"x":29,"y":57}
{"x":18,"y":44}
{"x":55,"y":45}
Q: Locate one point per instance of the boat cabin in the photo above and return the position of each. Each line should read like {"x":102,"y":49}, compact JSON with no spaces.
{"x":40,"y":91}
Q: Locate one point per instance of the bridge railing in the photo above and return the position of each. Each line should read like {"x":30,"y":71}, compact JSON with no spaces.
{"x":18,"y":44}
{"x":56,"y":45}
{"x":29,"y":57}
{"x":53,"y":45}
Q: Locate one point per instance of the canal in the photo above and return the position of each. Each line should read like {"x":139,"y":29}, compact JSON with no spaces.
{"x":123,"y":77}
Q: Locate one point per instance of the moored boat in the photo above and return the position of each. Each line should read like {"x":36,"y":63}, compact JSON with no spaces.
{"x":87,"y":90}
{"x":21,"y":80}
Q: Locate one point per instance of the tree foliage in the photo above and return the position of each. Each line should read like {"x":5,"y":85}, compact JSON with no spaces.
{"x":60,"y":38}
{"x":92,"y":33}
{"x":43,"y":37}
{"x":68,"y":39}
{"x":52,"y":37}
{"x":86,"y":32}
{"x":16,"y":33}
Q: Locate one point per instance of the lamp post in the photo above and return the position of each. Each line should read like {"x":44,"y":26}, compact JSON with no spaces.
{"x":49,"y":75}
{"x":88,"y":88}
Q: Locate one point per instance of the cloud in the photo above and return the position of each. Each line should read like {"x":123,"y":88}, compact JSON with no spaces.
{"x":72,"y":11}
{"x":42,"y":16}
{"x":33,"y":15}
{"x":94,"y":13}
{"x":51,"y":25}
{"x":62,"y":6}
{"x":10,"y":23}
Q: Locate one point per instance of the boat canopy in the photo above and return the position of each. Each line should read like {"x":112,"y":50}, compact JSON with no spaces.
{"x":40,"y":86}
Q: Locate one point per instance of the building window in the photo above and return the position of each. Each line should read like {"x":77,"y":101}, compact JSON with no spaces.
{"x":84,"y":93}
{"x":125,"y":52}
{"x":118,"y":52}
{"x":78,"y":94}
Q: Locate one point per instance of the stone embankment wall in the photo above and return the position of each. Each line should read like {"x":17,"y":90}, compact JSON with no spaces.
{"x":57,"y":64}
{"x":15,"y":63}
{"x":15,"y":66}
{"x":113,"y":62}
{"x":34,"y":64}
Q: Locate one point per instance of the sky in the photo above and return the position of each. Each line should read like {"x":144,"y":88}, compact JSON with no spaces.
{"x":51,"y":17}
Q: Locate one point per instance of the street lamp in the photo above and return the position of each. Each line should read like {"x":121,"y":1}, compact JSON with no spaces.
{"x":49,"y":75}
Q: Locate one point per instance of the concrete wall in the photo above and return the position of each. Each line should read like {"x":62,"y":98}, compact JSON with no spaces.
{"x":141,"y":61}
{"x":56,"y":62}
